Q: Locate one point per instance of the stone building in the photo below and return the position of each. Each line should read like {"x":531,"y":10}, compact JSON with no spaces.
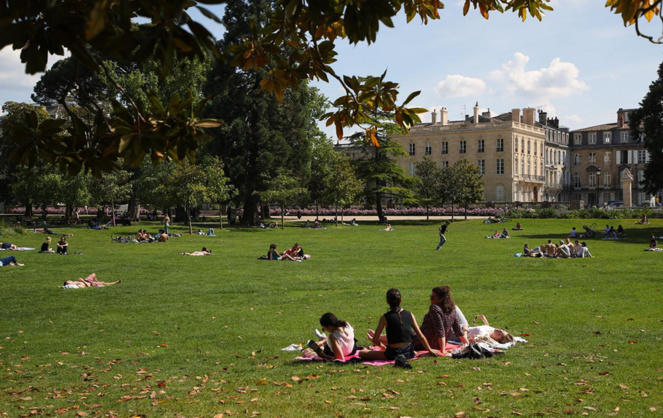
{"x":509,"y":149}
{"x":599,"y":156}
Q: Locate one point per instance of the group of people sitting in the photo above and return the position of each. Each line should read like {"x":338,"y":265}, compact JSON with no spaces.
{"x":612,"y":233}
{"x":566,"y":249}
{"x":498,"y":234}
{"x":143,"y":236}
{"x":62,"y":246}
{"x":296,"y":253}
{"x":404,"y":338}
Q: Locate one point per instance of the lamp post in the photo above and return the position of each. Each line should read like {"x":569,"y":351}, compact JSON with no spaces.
{"x":598,"y":185}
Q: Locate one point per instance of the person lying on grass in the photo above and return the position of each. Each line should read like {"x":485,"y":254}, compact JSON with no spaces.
{"x":441,"y":323}
{"x":8,"y":246}
{"x":11,"y":260}
{"x":482,"y":332}
{"x":341,"y":341}
{"x":200,"y":253}
{"x":89,"y":281}
{"x":399,"y":325}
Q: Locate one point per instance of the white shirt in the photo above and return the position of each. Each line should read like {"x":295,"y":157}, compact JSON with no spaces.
{"x":480,"y":331}
{"x":345,"y":339}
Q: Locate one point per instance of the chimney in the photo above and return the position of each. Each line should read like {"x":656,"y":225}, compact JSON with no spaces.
{"x":621,"y":118}
{"x":433,"y":117}
{"x":486,"y":114}
{"x":444,"y":116}
{"x":528,"y":115}
{"x":543,"y":118}
{"x":515,"y":115}
{"x":476,"y":113}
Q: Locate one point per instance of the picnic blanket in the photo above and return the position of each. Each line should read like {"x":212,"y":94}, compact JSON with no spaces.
{"x":17,"y":249}
{"x":355,"y":357}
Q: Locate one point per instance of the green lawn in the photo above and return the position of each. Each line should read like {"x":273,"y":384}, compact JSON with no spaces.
{"x":188,"y":336}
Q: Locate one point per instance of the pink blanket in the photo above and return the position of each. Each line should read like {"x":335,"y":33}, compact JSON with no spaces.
{"x":355,"y":356}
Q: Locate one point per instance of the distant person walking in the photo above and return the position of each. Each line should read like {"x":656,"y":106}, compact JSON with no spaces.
{"x":443,"y":230}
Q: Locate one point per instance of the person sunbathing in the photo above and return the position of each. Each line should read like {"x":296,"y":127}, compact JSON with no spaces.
{"x":200,"y":253}
{"x":11,"y":260}
{"x":518,"y":227}
{"x":495,"y":235}
{"x":505,"y":233}
{"x":478,"y":334}
{"x":8,"y":246}
{"x":643,"y":220}
{"x":550,"y":249}
{"x":62,"y":246}
{"x":89,"y":281}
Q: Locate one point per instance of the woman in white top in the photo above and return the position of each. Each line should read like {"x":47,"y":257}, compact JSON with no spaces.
{"x":476,"y":334}
{"x":341,"y":341}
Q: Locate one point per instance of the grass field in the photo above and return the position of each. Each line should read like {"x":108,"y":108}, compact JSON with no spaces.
{"x":201,"y":336}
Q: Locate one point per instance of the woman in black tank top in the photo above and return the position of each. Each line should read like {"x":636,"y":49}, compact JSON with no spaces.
{"x":399,"y":324}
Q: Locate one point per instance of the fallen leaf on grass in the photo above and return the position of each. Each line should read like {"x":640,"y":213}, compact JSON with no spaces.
{"x":526,"y":335}
{"x":590,"y":408}
{"x":623,"y":386}
{"x":296,"y":378}
{"x":262,"y":381}
{"x":632,"y":342}
{"x":604,"y":373}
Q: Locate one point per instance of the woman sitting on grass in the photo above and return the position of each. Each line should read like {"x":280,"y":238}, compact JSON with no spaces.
{"x":518,"y":227}
{"x":272,"y":254}
{"x":89,"y":281}
{"x":200,"y":253}
{"x":399,"y":325}
{"x":441,"y":322}
{"x":341,"y":341}
{"x":45,"y":247}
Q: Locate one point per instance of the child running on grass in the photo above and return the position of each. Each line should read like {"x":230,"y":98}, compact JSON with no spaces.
{"x":341,"y":341}
{"x":399,"y":325}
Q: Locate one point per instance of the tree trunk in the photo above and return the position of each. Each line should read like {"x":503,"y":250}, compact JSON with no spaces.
{"x":180,"y":215}
{"x":378,"y":207}
{"x":28,"y":209}
{"x":43,"y":213}
{"x":113,"y":211}
{"x":342,"y":211}
{"x":465,"y":210}
{"x":452,"y":211}
{"x":336,"y":214}
{"x":131,"y":206}
{"x":282,"y":214}
{"x":250,"y":210}
{"x":220,"y":216}
{"x":427,"y":213}
{"x":188,"y":215}
{"x":68,"y":210}
{"x":316,"y":210}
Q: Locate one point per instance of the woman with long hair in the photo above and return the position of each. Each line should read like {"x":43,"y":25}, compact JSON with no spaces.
{"x":441,"y":322}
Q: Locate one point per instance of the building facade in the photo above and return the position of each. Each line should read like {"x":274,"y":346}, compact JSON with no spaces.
{"x":600,"y":155}
{"x":509,"y":149}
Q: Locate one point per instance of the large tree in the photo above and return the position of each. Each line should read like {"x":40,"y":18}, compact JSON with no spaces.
{"x":296,"y":42}
{"x":426,"y":188}
{"x":469,"y":181}
{"x":261,"y":134}
{"x":377,"y":167}
{"x":647,"y":122}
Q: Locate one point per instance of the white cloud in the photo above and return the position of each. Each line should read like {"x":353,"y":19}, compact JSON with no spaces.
{"x":559,"y":79}
{"x":573,"y":119}
{"x":12,"y":71}
{"x":460,"y":86}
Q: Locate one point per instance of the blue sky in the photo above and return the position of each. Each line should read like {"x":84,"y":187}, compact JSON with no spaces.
{"x":579,"y":64}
